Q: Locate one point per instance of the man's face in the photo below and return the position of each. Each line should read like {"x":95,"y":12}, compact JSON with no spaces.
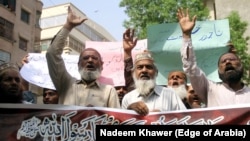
{"x":11,"y":83}
{"x":192,"y":98}
{"x":90,"y":60}
{"x":121,"y":91}
{"x":145,"y":70}
{"x":176,"y":79}
{"x":50,"y":96}
{"x":90,"y":65}
{"x":144,"y":76}
{"x":230,"y":68}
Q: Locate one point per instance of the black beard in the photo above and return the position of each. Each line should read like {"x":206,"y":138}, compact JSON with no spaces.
{"x":232,"y":77}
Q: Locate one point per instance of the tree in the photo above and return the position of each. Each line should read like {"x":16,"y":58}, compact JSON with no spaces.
{"x":237,"y":30}
{"x":143,"y":13}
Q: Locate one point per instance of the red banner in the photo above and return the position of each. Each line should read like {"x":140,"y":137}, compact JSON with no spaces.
{"x":60,"y":122}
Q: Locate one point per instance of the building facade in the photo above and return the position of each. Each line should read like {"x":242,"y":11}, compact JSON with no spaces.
{"x":54,"y":17}
{"x":20,"y":30}
{"x":220,"y":9}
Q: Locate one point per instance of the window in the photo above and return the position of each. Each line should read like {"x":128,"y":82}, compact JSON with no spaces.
{"x":76,"y":45}
{"x":45,"y":47}
{"x":11,"y":4}
{"x":6,"y":29}
{"x":53,"y":21}
{"x":23,"y":44}
{"x":4,"y":57}
{"x":89,"y":32}
{"x":60,"y":20}
{"x":38,"y":16}
{"x":2,"y":26}
{"x":25,"y":16}
{"x":45,"y":44}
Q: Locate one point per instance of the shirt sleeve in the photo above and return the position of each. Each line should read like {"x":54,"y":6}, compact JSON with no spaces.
{"x":196,"y":76}
{"x":56,"y":66}
{"x":129,"y":82}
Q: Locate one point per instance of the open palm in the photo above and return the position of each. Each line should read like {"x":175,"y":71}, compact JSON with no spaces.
{"x":185,"y":22}
{"x":73,"y":19}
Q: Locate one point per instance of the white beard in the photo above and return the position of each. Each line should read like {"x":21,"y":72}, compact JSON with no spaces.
{"x":89,"y":75}
{"x":144,"y":87}
{"x":181,"y":91}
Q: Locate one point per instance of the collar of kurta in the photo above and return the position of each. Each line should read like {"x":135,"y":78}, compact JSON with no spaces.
{"x":227,"y":86}
{"x":94,"y":83}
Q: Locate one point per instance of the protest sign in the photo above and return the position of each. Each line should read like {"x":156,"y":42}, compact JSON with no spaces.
{"x":209,"y":39}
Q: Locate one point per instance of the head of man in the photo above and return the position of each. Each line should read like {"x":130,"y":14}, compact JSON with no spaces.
{"x":230,"y":68}
{"x":193,"y":100}
{"x":144,"y":73}
{"x":10,"y":84}
{"x":178,"y":81}
{"x":121,"y":91}
{"x":176,"y":78}
{"x":50,"y":96}
{"x":90,"y":64}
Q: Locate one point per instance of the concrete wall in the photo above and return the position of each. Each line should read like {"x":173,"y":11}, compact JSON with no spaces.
{"x":223,"y":8}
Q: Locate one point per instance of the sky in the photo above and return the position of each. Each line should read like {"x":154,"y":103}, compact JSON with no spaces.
{"x":106,"y":13}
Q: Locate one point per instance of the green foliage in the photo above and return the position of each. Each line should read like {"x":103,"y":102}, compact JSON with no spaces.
{"x":237,"y":30}
{"x":143,"y":13}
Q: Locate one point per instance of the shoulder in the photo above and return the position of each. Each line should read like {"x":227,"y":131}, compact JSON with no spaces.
{"x":130,"y":94}
{"x":106,"y":88}
{"x":160,"y":89}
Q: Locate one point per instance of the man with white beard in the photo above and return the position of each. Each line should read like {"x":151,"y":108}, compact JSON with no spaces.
{"x":147,"y":96}
{"x":181,"y":90}
{"x":177,"y":80}
{"x":87,"y":91}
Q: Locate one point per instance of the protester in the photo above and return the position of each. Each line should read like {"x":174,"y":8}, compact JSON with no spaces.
{"x":177,"y":80}
{"x":147,"y":96}
{"x":121,"y":91}
{"x":231,"y":90}
{"x":192,"y":99}
{"x":129,"y":42}
{"x":87,"y":91}
{"x":50,"y":96}
{"x":10,"y":84}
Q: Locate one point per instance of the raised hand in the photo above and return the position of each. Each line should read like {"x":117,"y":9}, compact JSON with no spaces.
{"x":73,"y":20}
{"x":129,"y":42}
{"x":25,"y":59}
{"x":185,"y":22}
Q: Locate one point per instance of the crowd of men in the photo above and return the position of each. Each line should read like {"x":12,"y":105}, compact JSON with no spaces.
{"x":140,"y":92}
